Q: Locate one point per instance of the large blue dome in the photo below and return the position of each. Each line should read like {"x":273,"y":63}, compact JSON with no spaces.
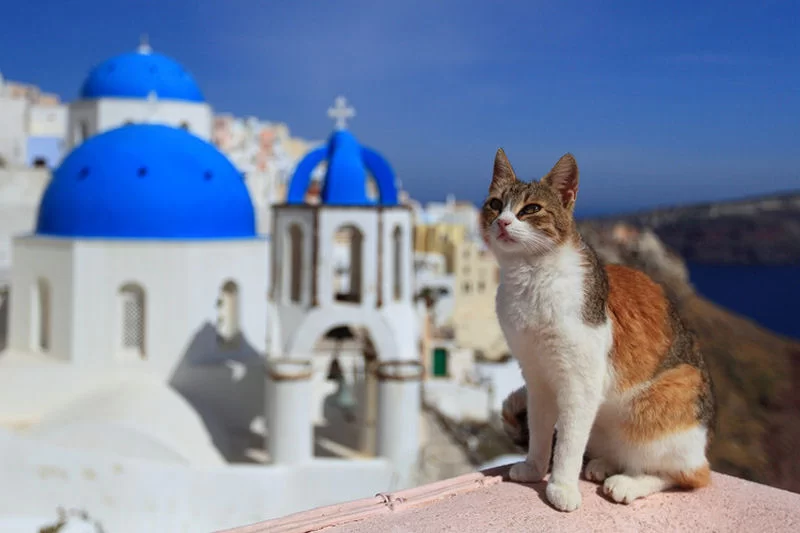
{"x":137,"y":74}
{"x":146,"y":181}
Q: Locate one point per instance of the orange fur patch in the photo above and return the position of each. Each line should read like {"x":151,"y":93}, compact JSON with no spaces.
{"x":639,"y":313}
{"x":693,"y":480}
{"x":666,"y":406}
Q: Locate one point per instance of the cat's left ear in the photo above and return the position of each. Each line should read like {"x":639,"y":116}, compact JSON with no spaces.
{"x":563,"y":179}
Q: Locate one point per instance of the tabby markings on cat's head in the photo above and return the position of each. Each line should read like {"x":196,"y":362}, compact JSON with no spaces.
{"x":520,"y":218}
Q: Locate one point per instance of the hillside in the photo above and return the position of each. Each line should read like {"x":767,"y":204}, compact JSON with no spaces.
{"x":753,"y":231}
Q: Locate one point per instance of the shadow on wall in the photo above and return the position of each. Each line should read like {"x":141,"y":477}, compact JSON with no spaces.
{"x":224,"y":382}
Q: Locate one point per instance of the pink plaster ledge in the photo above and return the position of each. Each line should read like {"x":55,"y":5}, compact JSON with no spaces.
{"x":487,"y":501}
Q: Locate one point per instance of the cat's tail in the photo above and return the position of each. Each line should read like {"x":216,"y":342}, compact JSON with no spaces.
{"x":515,"y":417}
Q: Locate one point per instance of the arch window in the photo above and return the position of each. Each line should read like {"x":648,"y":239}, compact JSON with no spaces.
{"x":40,"y":316}
{"x":295,"y":266}
{"x":132,"y":320}
{"x":397,"y":238}
{"x":228,"y":314}
{"x":348,"y":272}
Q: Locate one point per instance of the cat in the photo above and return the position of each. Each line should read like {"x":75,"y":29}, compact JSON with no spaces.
{"x":607,"y":362}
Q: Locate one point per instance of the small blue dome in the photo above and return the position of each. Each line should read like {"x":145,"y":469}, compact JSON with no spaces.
{"x":137,"y":74}
{"x":146,"y":181}
{"x":345,"y":181}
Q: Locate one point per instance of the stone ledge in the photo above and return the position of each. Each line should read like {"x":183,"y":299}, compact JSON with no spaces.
{"x":487,"y":501}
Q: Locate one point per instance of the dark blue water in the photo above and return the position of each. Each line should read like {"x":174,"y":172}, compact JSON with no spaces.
{"x":770,"y":295}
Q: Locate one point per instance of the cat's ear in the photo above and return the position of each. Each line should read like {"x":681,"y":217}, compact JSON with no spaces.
{"x":563,"y":178}
{"x":503,"y":175}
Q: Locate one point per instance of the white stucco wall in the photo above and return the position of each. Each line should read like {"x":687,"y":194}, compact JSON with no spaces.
{"x":13,"y":131}
{"x":181,"y":281}
{"x":52,"y":262}
{"x":21,"y":190}
{"x":48,"y":120}
{"x":108,"y":113}
{"x":134,"y":495}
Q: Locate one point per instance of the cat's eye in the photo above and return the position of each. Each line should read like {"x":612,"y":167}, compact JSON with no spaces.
{"x":496,"y":204}
{"x":530,"y":209}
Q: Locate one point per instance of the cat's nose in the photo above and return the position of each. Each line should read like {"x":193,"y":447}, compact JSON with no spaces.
{"x":503,"y":222}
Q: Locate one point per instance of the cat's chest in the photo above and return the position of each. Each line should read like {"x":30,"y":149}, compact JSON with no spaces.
{"x":540,"y":303}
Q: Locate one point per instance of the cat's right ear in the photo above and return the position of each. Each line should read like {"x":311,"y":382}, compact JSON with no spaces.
{"x":503,"y":175}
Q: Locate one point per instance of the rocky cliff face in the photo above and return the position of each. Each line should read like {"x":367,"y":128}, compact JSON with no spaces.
{"x":761,"y":231}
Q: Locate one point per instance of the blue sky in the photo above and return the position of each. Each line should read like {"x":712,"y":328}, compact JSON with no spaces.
{"x":670,"y":103}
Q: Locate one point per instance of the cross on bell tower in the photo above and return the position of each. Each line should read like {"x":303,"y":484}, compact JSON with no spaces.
{"x":340,"y":112}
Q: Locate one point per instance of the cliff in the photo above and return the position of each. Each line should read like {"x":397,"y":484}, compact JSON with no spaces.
{"x":755,"y":231}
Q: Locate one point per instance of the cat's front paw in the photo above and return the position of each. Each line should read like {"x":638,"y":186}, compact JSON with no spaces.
{"x":525,"y":472}
{"x":623,"y":489}
{"x":563,"y":497}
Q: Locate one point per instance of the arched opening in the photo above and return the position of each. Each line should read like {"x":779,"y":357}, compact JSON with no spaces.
{"x":132,"y":320}
{"x":346,"y":395}
{"x":40,"y":316}
{"x":348,"y":245}
{"x":40,"y":162}
{"x":397,"y":238}
{"x":228,"y":314}
{"x":295,"y":263}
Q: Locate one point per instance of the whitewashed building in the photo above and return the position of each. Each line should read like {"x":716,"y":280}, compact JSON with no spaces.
{"x":134,"y":382}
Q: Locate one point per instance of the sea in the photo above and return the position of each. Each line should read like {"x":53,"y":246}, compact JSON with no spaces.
{"x":769,"y":295}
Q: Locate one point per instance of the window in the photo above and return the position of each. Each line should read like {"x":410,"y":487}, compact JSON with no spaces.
{"x":228,"y":314}
{"x":467,"y":287}
{"x":397,"y":236}
{"x":132,"y":320}
{"x":40,"y":316}
{"x":296,"y":263}
{"x":481,"y":286}
{"x":185,"y":126}
{"x":348,"y":285}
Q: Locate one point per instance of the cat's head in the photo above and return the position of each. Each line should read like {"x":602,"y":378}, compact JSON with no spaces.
{"x":529,"y":219}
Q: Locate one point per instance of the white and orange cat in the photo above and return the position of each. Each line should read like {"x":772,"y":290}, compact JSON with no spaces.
{"x":606,"y":360}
